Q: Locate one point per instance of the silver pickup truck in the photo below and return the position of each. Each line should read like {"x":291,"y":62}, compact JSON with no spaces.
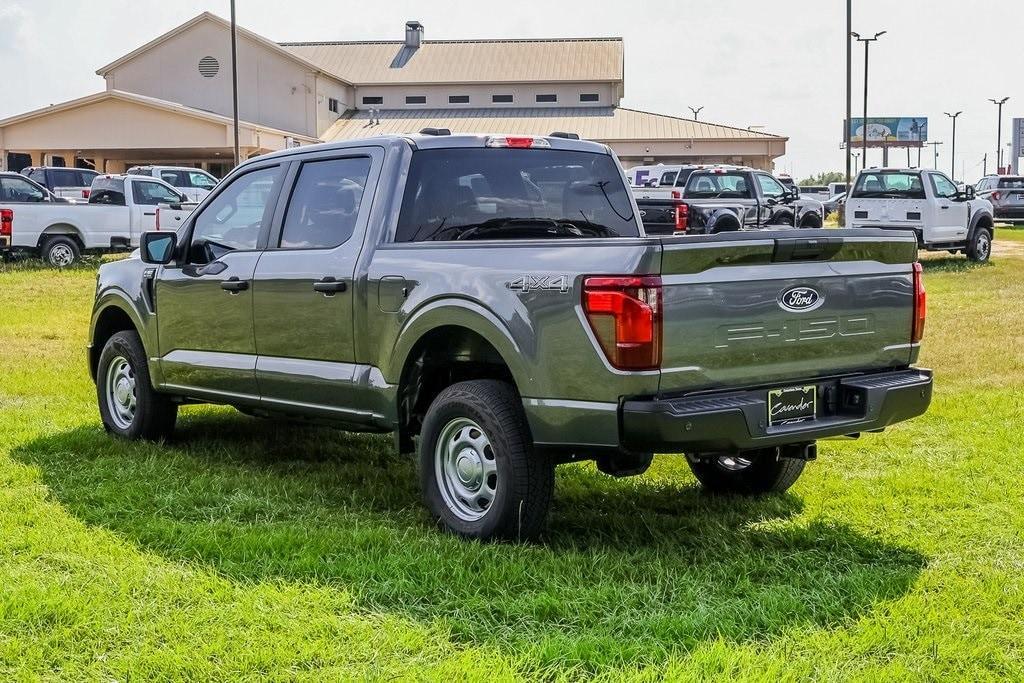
{"x":494,"y":302}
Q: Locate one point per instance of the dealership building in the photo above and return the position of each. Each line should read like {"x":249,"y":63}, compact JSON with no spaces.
{"x":170,"y":101}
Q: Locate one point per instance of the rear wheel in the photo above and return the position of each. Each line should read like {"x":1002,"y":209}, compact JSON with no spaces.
{"x":980,"y":247}
{"x":749,"y":473}
{"x":129,"y":406}
{"x":480,"y":475}
{"x":60,"y":251}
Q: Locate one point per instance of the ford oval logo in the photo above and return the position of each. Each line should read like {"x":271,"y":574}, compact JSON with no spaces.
{"x":800,"y":299}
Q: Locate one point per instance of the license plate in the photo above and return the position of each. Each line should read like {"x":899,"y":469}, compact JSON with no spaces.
{"x":792,"y":404}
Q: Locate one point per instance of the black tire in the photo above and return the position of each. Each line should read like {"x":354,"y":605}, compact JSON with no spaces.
{"x":765,"y":473}
{"x":782,"y":219}
{"x":979,"y":249}
{"x":60,"y":251}
{"x":153,"y":414}
{"x":810,"y":222}
{"x":519,"y":494}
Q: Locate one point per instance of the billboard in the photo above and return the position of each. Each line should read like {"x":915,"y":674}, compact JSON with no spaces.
{"x":890,"y":131}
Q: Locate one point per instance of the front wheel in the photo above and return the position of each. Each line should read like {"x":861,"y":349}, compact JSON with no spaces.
{"x":480,"y":475}
{"x":129,"y":406}
{"x":748,"y":473}
{"x":980,"y":247}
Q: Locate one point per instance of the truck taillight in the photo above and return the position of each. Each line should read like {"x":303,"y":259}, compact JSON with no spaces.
{"x":625,"y":314}
{"x":676,"y":194}
{"x":6,"y":221}
{"x":85,"y":194}
{"x":682,"y":217}
{"x":920,"y":306}
{"x":995,"y":196}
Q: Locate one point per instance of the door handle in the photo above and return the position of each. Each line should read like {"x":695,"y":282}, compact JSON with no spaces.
{"x":944,"y":207}
{"x":328,"y":286}
{"x":234,"y":285}
{"x":146,"y":213}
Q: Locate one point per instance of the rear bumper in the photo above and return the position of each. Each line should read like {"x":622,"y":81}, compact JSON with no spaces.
{"x":737,"y":420}
{"x":1009,"y":212}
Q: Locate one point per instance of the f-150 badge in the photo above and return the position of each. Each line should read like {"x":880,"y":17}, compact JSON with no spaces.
{"x":531,"y":283}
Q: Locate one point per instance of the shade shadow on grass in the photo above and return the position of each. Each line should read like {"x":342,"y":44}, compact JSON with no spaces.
{"x":628,"y":572}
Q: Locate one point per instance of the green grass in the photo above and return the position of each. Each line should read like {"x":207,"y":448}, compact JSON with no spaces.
{"x":251,"y":549}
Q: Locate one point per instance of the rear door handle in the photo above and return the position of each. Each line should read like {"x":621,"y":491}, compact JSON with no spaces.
{"x":146,"y":213}
{"x":328,"y":286}
{"x":234,"y":285}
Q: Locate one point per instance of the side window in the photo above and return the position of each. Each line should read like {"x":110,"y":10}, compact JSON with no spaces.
{"x":173,"y":178}
{"x":324,"y":205}
{"x":770,"y":187}
{"x":151,"y":194}
{"x":943,"y":186}
{"x":201,"y":180}
{"x":233,"y":220}
{"x":38,"y":175}
{"x":18,"y":190}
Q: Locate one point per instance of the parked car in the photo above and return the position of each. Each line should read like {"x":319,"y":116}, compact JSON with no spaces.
{"x":834,"y":204}
{"x":835,"y":189}
{"x":1006,"y":192}
{"x":671,"y":182}
{"x":72,"y":183}
{"x":926,"y":202}
{"x":819,"y":192}
{"x":493,"y":302}
{"x":120,"y":209}
{"x":194,"y":183}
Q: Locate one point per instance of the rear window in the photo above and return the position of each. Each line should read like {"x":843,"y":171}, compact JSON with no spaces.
{"x":1011,"y":183}
{"x":70,"y":177}
{"x":464,"y":194}
{"x":716,"y":185}
{"x":889,"y":185}
{"x":668,"y":178}
{"x":683,"y":177}
{"x":107,"y":191}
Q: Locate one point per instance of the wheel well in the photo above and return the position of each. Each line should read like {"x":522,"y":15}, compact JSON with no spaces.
{"x":61,"y":229}
{"x":984,"y":222}
{"x":810,"y":220}
{"x":111,"y":321}
{"x":442,"y":357}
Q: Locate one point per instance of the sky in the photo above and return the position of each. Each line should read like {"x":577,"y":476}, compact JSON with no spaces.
{"x":777,"y":64}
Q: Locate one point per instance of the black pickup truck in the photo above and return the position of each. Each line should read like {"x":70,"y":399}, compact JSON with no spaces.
{"x":726,"y":199}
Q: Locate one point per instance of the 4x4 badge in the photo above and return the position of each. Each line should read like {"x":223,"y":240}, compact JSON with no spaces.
{"x":530,"y":283}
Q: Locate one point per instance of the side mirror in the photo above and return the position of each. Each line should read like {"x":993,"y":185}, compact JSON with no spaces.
{"x":965,"y":195}
{"x":158,"y":247}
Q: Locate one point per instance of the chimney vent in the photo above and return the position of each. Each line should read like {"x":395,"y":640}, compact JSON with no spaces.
{"x":413,"y":34}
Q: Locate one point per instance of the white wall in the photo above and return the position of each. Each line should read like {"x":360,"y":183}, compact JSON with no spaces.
{"x":523,"y":95}
{"x":273,"y":90}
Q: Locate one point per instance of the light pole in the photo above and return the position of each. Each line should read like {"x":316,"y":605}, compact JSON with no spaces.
{"x":856,"y":159}
{"x":234,"y":80}
{"x":952,"y":151}
{"x":695,"y":112}
{"x":999,"y":133}
{"x":935,"y":147}
{"x":867,"y":43}
{"x":849,"y":85}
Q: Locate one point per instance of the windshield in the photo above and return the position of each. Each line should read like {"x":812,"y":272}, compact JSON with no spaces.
{"x":889,"y":185}
{"x":501,"y":193}
{"x":717,"y":185}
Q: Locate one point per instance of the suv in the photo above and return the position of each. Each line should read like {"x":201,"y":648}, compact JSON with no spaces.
{"x":494,"y":303}
{"x":943,"y":217}
{"x":71,"y":183}
{"x":194,"y":183}
{"x":1006,"y":192}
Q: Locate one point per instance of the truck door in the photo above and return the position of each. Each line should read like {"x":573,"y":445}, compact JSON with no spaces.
{"x":950,"y":217}
{"x":204,"y":307}
{"x":146,"y":196}
{"x":304,"y":291}
{"x":770,"y":191}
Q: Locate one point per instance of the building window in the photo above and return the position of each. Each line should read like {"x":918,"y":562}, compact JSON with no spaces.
{"x":501,"y":98}
{"x":415,"y":99}
{"x":332,"y":104}
{"x":458,"y":99}
{"x":373,"y":100}
{"x":547,"y":98}
{"x":588,"y":97}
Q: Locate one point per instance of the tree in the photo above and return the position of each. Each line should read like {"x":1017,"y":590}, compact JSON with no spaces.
{"x":824,"y":178}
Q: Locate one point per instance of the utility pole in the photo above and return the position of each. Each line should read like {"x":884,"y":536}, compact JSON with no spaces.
{"x":935,"y":147}
{"x":999,"y":133}
{"x":695,"y":112}
{"x":234,"y":79}
{"x":952,"y":151}
{"x":867,"y":43}
{"x":856,"y":158}
{"x":849,"y":86}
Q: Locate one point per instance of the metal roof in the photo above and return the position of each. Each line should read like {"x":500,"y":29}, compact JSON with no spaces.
{"x":468,"y":61}
{"x":592,"y":123}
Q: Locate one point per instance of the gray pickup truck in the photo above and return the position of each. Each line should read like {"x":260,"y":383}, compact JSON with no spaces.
{"x":494,"y":302}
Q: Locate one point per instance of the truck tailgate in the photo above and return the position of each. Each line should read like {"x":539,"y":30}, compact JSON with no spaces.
{"x":752,"y":308}
{"x":890,"y":213}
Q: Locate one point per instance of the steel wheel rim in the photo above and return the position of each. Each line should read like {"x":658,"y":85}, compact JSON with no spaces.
{"x":120,"y":392}
{"x":61,"y":255}
{"x":983,"y":245}
{"x":465,"y":469}
{"x":733,"y":463}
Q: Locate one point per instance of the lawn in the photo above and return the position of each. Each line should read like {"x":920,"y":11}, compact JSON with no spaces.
{"x":252,"y":549}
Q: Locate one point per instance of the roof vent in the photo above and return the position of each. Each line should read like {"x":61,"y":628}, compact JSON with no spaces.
{"x":413,"y":34}
{"x":436,"y":131}
{"x":209,"y":66}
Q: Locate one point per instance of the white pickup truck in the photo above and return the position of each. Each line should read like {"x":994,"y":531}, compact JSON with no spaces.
{"x":120,"y":209}
{"x":926,"y":202}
